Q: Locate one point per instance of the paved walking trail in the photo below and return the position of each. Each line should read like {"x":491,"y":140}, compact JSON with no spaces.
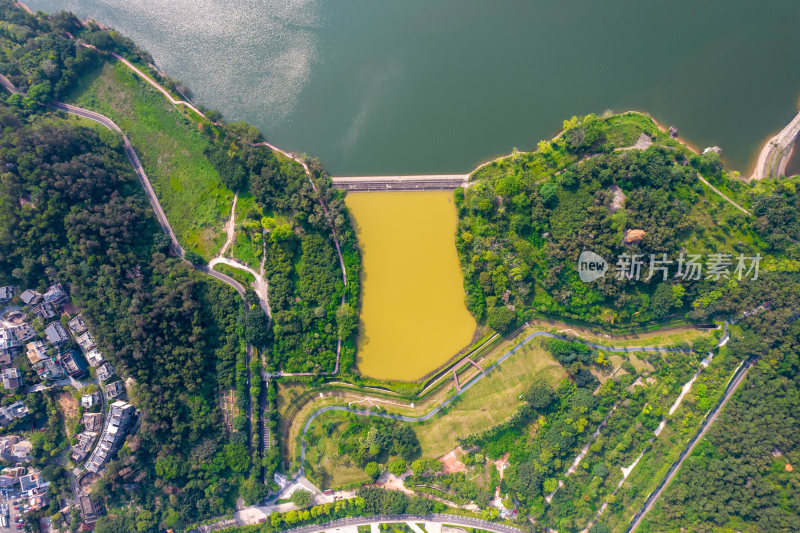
{"x":464,"y":388}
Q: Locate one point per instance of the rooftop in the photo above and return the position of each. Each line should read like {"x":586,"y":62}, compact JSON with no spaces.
{"x":77,"y":324}
{"x":30,"y":297}
{"x":55,"y":294}
{"x":56,"y":333}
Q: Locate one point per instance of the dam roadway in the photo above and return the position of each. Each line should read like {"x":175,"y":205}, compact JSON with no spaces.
{"x":422,"y":182}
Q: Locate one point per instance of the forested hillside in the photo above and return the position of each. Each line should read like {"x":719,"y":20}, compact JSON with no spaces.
{"x":196,"y":165}
{"x":744,"y":475}
{"x":73,"y":212}
{"x":525,"y":222}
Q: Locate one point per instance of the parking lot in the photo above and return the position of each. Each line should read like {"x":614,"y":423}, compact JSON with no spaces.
{"x":9,"y":501}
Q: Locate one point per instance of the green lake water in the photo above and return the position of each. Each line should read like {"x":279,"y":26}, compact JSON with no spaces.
{"x":435,"y":86}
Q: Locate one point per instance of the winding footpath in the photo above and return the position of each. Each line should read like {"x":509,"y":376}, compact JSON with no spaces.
{"x":260,"y":283}
{"x":143,"y":179}
{"x":332,"y":224}
{"x":464,"y":388}
{"x":261,"y":286}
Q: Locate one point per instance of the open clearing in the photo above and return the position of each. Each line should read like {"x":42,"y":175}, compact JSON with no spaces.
{"x":490,"y":401}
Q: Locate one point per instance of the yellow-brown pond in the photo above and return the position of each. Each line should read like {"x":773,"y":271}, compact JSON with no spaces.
{"x":413,"y":316}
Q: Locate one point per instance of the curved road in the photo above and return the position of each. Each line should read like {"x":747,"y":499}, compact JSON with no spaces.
{"x":148,"y":190}
{"x":448,"y":401}
{"x":143,"y":179}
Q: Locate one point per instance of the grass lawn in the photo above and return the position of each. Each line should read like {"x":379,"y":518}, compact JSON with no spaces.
{"x":245,"y":278}
{"x":247,"y":246}
{"x":245,"y":250}
{"x":244,"y":205}
{"x":490,"y":401}
{"x":640,"y":363}
{"x":664,"y":337}
{"x":322,"y":451}
{"x":170,"y":147}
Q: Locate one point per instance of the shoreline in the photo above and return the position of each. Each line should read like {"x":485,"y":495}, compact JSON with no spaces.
{"x":777,"y":150}
{"x":688,"y":144}
{"x":660,"y":126}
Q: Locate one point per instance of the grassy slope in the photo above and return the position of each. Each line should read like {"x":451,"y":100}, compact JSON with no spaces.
{"x":171,"y":150}
{"x":296,"y":403}
{"x":491,"y":401}
{"x":245,"y":278}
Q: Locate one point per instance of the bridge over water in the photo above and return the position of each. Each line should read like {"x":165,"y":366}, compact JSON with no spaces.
{"x":422,"y":182}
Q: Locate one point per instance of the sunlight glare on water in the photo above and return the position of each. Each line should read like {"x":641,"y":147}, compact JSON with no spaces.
{"x":385,"y":87}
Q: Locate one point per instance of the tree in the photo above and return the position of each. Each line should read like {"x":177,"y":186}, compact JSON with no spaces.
{"x":524,"y":479}
{"x":373,"y":470}
{"x":145,"y":521}
{"x":398,"y":467}
{"x":346,"y":319}
{"x":301,"y":498}
{"x":501,"y":319}
{"x":419,"y":467}
{"x":254,"y":490}
{"x":419,"y":506}
{"x":257,"y":328}
{"x":39,"y":94}
{"x":663,"y":300}
{"x":237,"y":457}
{"x":540,"y":394}
{"x":194,"y":258}
{"x":119,"y":523}
{"x":490,"y":514}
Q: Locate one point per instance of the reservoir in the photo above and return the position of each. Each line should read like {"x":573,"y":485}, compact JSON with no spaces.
{"x":413,"y":315}
{"x":384,"y":87}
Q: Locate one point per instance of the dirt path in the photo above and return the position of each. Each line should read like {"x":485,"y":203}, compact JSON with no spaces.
{"x":260,"y":284}
{"x":737,"y":380}
{"x":230,"y":227}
